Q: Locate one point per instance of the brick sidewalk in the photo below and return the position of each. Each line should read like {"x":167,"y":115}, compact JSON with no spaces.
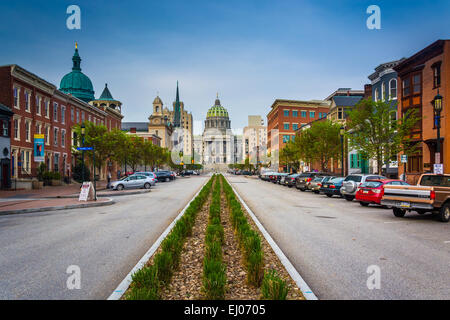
{"x":36,"y":203}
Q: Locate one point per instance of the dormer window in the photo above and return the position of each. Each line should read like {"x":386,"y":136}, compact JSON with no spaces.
{"x":436,"y":74}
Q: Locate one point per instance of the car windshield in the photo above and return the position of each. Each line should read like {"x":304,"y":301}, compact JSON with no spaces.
{"x":354,"y":178}
{"x":337,"y":180}
{"x":318,"y":179}
{"x":441,"y":181}
{"x":371,"y":184}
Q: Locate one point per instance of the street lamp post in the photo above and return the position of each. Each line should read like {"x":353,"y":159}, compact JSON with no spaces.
{"x":437,"y":104}
{"x":83,"y":131}
{"x":341,"y":133}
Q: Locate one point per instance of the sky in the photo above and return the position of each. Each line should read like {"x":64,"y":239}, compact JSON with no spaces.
{"x":249,"y":52}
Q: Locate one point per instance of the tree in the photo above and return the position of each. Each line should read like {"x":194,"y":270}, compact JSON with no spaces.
{"x":376,"y":134}
{"x":290,"y":156}
{"x":325,"y":142}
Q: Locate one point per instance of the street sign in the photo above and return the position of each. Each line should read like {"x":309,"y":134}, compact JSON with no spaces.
{"x":85,"y":148}
{"x":404,"y":158}
{"x":437,"y":157}
{"x":438,"y":168}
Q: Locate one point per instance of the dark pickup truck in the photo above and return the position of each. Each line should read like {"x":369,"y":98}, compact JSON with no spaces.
{"x":431,"y":194}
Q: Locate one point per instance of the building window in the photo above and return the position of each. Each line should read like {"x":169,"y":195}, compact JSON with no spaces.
{"x":38,"y":105}
{"x":393,"y":89}
{"x":47,"y":135}
{"x":55,"y":112}
{"x":286,"y":126}
{"x":303,"y":114}
{"x":16,"y":97}
{"x":72,"y":114}
{"x":5,"y":128}
{"x":312,"y":114}
{"x":46,"y":103}
{"x":414,"y":164}
{"x":78,"y":116}
{"x":294,"y":126}
{"x":295,"y":113}
{"x":56,"y":163}
{"x":436,"y":74}
{"x":90,"y":118}
{"x":376,"y":95}
{"x":63,"y":114}
{"x":82,"y":116}
{"x":286,"y":138}
{"x":27,"y":131}
{"x":63,"y":138}
{"x":27,"y":101}
{"x":16,"y":129}
{"x":417,"y":83}
{"x":383,"y":91}
{"x":55,"y":137}
{"x":406,"y":87}
{"x":340,"y":114}
{"x":286,"y":113}
{"x":38,"y":128}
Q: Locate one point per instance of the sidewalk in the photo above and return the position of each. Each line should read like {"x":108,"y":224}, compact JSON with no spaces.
{"x":47,"y":199}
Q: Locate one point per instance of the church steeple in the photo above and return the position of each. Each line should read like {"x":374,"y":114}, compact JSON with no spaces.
{"x":177,"y":110}
{"x":76,"y":59}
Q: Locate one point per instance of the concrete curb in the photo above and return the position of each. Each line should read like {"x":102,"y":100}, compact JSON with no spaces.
{"x":123,"y":286}
{"x":111,"y":194}
{"x":54,"y":208}
{"x":306,"y":290}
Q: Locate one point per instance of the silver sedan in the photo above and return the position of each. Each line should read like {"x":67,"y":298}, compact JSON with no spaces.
{"x":132,"y":182}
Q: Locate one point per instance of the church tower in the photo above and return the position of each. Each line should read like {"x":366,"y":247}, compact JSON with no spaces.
{"x":177,"y":110}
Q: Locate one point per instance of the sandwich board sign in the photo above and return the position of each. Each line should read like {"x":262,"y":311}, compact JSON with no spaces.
{"x":87,"y":192}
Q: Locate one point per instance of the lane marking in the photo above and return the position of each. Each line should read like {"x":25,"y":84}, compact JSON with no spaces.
{"x":306,"y":290}
{"x":123,"y":286}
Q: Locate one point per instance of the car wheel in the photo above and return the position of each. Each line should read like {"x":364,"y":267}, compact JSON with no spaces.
{"x":399,"y":213}
{"x":364,"y":204}
{"x":316,"y":192}
{"x":329,"y":195}
{"x":303,"y":190}
{"x":444,"y":213}
{"x":147,"y":185}
{"x":120,"y":187}
{"x":289,"y":186}
{"x":349,"y":198}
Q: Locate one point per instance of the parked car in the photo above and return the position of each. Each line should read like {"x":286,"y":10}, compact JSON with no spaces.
{"x":290,"y":180}
{"x":164,"y":175}
{"x":275,"y":177}
{"x":303,"y":180}
{"x":148,"y":174}
{"x":132,"y":182}
{"x":353,"y":181}
{"x":431,"y":194}
{"x":332,"y":187}
{"x":317,"y":182}
{"x":265,"y":176}
{"x":371,"y":191}
{"x":246,"y":173}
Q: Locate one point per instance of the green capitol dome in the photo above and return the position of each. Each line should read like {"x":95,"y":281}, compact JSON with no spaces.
{"x":217,"y":110}
{"x":76,"y":82}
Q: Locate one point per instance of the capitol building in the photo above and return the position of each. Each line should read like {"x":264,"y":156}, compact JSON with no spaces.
{"x":219,"y":146}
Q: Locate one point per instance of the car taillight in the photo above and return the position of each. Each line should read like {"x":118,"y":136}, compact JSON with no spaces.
{"x":333,"y":186}
{"x":432,"y":195}
{"x":319,"y":184}
{"x":308,"y":179}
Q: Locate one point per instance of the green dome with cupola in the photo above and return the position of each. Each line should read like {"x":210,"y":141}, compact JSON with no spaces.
{"x":217,"y":110}
{"x":76,"y":82}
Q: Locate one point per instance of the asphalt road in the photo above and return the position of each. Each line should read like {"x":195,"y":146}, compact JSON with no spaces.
{"x":105,"y":243}
{"x":332,"y":242}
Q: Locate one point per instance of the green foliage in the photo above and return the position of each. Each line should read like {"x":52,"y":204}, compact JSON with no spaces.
{"x":249,"y":239}
{"x":214,"y":279}
{"x":77,"y":172}
{"x":320,"y":142}
{"x":146,"y":282}
{"x":273,"y":287}
{"x":374,"y":133}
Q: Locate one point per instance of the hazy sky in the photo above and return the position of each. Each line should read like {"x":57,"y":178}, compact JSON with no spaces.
{"x":251,"y":52}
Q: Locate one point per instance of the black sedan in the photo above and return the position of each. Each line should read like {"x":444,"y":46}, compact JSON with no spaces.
{"x":164,"y":175}
{"x":332,"y":187}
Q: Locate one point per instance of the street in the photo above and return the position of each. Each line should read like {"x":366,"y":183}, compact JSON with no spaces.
{"x":106,"y":242}
{"x":332,"y":242}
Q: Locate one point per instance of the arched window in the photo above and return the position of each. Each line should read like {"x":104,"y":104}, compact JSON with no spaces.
{"x":383,"y":91}
{"x":393,"y":89}
{"x":377,"y":94}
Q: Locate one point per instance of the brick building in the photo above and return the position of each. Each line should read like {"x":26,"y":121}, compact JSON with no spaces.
{"x":420,"y":78}
{"x":287,"y":116}
{"x":40,"y":108}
